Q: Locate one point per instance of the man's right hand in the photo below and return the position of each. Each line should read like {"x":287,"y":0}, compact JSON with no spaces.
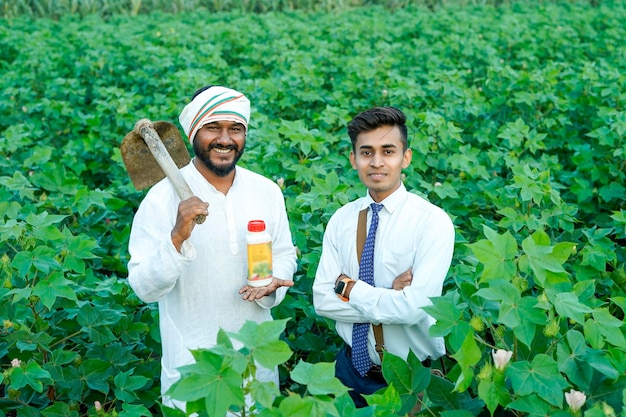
{"x":403,"y":280}
{"x":187,"y":212}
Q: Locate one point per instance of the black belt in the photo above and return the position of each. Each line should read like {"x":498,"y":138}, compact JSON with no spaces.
{"x":376,"y":371}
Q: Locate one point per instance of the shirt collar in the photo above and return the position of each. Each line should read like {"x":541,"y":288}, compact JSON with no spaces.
{"x":394,"y":200}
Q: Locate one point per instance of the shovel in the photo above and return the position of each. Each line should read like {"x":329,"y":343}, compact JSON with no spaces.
{"x":152,"y":151}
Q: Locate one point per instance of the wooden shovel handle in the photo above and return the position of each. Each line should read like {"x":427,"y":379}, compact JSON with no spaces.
{"x":145,"y":128}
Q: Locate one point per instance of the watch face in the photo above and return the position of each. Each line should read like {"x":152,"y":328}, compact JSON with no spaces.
{"x":339,"y":287}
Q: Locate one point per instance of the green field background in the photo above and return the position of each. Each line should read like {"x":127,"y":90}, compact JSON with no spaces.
{"x":516,"y":120}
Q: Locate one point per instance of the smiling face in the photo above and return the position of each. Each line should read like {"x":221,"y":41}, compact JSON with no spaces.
{"x":379,"y":158}
{"x":219,"y":145}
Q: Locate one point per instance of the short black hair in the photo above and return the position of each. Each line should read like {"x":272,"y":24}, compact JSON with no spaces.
{"x":199,"y":90}
{"x":376,"y":117}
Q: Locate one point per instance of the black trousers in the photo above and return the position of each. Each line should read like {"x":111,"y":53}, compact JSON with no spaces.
{"x":368,"y":384}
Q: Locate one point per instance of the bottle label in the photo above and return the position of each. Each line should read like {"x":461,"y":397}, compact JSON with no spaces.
{"x":259,"y":261}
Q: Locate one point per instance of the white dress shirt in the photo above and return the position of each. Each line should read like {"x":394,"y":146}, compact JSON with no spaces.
{"x":197,"y":289}
{"x":412,"y":234}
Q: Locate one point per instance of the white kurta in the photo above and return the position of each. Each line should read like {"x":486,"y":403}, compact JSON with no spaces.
{"x":197,"y":290}
{"x":412,"y":234}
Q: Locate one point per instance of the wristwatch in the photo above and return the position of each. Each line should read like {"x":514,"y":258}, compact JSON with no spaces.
{"x":341,"y":287}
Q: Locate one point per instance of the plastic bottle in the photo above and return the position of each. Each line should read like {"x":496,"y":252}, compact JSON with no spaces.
{"x":259,"y":254}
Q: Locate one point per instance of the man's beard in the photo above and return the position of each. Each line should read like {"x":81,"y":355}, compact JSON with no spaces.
{"x":204,"y":155}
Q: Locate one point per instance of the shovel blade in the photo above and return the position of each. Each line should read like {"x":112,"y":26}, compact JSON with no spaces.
{"x":143,"y":169}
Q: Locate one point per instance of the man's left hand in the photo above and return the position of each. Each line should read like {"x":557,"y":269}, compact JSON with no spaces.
{"x":255,"y":293}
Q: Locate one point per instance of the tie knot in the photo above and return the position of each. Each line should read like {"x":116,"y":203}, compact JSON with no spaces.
{"x":376,"y":207}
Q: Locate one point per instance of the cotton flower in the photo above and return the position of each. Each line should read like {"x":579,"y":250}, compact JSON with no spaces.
{"x":97,"y":405}
{"x":280,"y":182}
{"x":15,"y":363}
{"x":575,"y":399}
{"x":501,"y":358}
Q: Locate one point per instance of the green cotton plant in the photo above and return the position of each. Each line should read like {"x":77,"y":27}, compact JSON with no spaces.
{"x":561,"y":335}
{"x":68,"y":335}
{"x":222,"y":377}
{"x":221,"y":380}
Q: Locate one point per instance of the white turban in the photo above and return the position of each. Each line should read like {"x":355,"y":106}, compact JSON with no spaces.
{"x":212,"y":105}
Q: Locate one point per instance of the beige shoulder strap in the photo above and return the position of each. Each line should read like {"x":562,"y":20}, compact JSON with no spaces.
{"x":360,"y":233}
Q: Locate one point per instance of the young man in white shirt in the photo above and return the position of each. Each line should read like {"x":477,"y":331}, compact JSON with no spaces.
{"x":413,"y":246}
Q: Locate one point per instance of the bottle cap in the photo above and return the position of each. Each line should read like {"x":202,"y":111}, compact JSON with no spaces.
{"x":256,"y":226}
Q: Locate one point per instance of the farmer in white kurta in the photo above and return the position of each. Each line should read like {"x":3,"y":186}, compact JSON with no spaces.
{"x":197,"y":273}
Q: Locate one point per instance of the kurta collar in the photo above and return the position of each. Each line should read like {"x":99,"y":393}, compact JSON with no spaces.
{"x":203,"y":180}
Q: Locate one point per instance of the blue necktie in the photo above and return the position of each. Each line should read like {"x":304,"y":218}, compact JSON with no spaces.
{"x":360,"y":355}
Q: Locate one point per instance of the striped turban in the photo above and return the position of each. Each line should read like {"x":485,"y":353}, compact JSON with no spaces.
{"x":212,"y":105}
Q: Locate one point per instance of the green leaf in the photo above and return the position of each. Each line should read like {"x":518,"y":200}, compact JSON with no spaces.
{"x":567,"y":305}
{"x":541,"y":256}
{"x":500,"y":290}
{"x":126,"y":385}
{"x":612,"y":191}
{"x":297,"y":406}
{"x":96,"y":323}
{"x":261,"y":339}
{"x":31,"y":375}
{"x":319,"y":378}
{"x":531,"y":405}
{"x":529,"y":316}
{"x":55,"y":285}
{"x":220,"y":357}
{"x":219,"y":390}
{"x":493,"y":392}
{"x":621,"y":302}
{"x":447,"y":313}
{"x":441,"y":392}
{"x":505,"y":244}
{"x":620,"y":218}
{"x":134,"y":410}
{"x":385,"y":399}
{"x":446,"y":190}
{"x":48,"y":233}
{"x":45,"y":259}
{"x":346,"y":408}
{"x":59,"y":409}
{"x":610,"y":327}
{"x":20,"y":183}
{"x":541,"y":377}
{"x":223,"y":339}
{"x":593,"y":336}
{"x":74,"y":263}
{"x":81,"y":246}
{"x":43,"y":219}
{"x":514,"y":133}
{"x":456,"y":413}
{"x":408,"y":377}
{"x":22,"y":261}
{"x":264,"y":392}
{"x":467,"y":357}
{"x":26,"y":341}
{"x":572,"y":360}
{"x":95,"y":373}
{"x":497,"y":254}
{"x":271,"y":354}
{"x":580,"y":352}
